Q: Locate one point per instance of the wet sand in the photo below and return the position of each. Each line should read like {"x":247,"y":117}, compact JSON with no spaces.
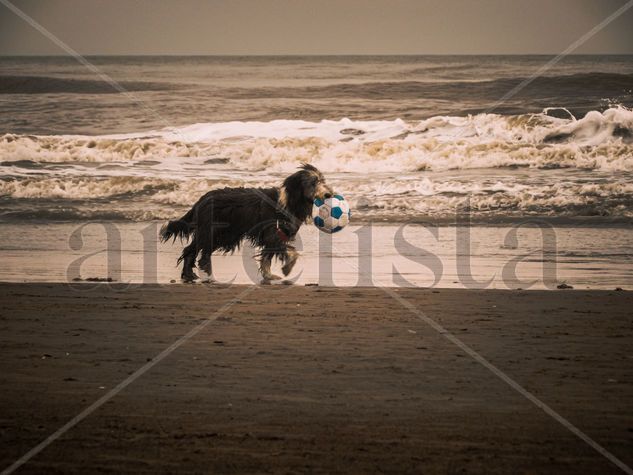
{"x":376,"y":255}
{"x":313,"y":379}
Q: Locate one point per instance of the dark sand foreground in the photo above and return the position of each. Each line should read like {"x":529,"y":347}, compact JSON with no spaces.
{"x":307,"y":379}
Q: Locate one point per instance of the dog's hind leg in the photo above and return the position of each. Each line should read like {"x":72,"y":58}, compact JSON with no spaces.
{"x":189,"y":261}
{"x":264,"y":267}
{"x":204,"y":264}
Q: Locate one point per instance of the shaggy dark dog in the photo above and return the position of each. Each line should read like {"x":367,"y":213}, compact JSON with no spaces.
{"x":266,"y":217}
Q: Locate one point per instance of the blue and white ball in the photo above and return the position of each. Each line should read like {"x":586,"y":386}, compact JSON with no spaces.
{"x":331,"y":214}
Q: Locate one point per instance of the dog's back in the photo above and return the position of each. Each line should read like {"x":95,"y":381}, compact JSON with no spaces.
{"x":232,"y":213}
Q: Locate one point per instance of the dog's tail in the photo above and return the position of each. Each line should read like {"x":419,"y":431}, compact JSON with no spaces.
{"x":180,"y":228}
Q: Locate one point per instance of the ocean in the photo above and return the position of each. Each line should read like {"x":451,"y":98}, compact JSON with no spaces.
{"x":403,"y":138}
{"x":406,"y":139}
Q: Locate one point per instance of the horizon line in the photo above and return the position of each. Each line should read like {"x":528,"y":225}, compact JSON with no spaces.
{"x":236,"y":55}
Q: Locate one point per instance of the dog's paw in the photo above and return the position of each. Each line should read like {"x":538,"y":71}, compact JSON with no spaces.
{"x":288,"y":266}
{"x":293,"y":256}
{"x":189,"y":278}
{"x":267,"y":278}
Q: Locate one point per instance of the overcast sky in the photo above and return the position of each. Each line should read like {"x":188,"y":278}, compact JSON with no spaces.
{"x":315,"y":26}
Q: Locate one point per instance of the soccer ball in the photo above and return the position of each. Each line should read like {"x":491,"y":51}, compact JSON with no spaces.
{"x":331,"y":214}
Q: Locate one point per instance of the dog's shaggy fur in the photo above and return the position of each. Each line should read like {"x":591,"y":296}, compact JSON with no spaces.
{"x":268,"y":218}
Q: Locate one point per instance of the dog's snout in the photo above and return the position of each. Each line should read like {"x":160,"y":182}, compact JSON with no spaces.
{"x":327,"y":195}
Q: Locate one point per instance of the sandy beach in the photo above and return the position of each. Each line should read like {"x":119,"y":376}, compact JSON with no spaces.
{"x":313,"y":379}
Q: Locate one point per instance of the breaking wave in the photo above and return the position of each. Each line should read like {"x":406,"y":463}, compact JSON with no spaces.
{"x":599,"y":140}
{"x":393,"y":199}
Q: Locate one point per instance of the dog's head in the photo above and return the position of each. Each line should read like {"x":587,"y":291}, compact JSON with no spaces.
{"x":303,"y":187}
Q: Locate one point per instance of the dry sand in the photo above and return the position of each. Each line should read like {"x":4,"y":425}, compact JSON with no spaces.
{"x":308,"y":379}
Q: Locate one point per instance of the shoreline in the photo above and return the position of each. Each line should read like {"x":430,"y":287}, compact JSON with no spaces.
{"x":324,"y":380}
{"x":385,"y":255}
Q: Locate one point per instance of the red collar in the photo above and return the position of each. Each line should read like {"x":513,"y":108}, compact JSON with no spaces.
{"x":282,"y":235}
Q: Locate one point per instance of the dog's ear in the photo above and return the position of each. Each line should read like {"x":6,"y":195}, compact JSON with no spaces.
{"x":300,"y":186}
{"x":309,"y":168}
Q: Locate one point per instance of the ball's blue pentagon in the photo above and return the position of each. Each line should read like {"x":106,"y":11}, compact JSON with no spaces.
{"x":319,"y":221}
{"x":339,"y":197}
{"x":337,"y":212}
{"x":318,"y":202}
{"x":336,"y":229}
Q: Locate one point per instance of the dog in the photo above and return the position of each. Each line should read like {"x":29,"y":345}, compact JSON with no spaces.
{"x":268,"y":218}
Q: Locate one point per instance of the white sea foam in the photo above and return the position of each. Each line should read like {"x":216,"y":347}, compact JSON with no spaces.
{"x":392,"y":199}
{"x":602,"y":141}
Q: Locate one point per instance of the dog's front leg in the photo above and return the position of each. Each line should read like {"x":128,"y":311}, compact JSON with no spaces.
{"x":264,"y":267}
{"x":290,"y":259}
